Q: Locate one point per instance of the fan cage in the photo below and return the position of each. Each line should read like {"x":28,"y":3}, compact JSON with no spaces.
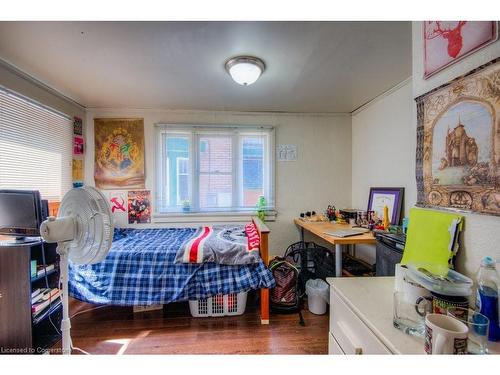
{"x":94,"y":228}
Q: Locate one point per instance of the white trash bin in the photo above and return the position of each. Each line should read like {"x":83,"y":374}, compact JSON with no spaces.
{"x":317,"y":296}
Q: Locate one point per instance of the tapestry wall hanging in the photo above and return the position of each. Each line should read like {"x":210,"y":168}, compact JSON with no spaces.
{"x":119,"y":153}
{"x":446,"y":42}
{"x":458,"y":143}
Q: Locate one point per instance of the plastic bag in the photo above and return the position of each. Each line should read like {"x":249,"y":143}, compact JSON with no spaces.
{"x":318,"y":287}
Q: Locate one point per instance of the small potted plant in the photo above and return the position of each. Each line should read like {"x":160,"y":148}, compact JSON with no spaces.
{"x":261,"y":208}
{"x":186,"y":205}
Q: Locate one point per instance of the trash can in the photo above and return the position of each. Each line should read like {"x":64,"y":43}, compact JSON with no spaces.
{"x":317,"y":296}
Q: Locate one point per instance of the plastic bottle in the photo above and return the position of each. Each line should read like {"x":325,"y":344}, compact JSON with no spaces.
{"x":488,"y":283}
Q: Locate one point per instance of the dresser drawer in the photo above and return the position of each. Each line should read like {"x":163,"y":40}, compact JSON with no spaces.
{"x":333,"y":345}
{"x":352,"y":335}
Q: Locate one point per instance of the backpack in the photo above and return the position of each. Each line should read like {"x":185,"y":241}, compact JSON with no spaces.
{"x":285,"y":296}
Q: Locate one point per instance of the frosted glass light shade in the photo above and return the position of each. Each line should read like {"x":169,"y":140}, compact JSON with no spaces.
{"x":245,"y":70}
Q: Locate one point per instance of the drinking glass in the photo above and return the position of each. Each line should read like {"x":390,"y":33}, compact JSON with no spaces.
{"x":409,"y":313}
{"x":478,"y":324}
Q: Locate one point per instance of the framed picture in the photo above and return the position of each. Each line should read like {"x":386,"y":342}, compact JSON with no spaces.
{"x":392,"y":197}
{"x":446,"y":42}
{"x":458,"y":143}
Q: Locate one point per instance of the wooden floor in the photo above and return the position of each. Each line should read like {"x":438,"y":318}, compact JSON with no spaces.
{"x":117,"y":330}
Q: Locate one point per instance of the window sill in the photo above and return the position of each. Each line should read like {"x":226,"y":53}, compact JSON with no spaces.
{"x":209,"y":217}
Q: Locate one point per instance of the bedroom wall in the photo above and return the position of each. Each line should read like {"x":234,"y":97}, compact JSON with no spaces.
{"x":320,"y":176}
{"x":383,"y":144}
{"x":481,"y":235}
{"x":379,"y":159}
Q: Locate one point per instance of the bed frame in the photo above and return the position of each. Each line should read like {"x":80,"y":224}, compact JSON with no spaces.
{"x":263,"y":231}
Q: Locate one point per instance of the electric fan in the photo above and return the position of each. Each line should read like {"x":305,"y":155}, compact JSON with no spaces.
{"x":83,"y":231}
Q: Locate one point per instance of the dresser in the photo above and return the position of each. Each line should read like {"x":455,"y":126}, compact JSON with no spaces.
{"x":361,"y":318}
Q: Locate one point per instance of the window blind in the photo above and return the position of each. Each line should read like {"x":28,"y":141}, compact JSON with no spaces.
{"x":35,"y":147}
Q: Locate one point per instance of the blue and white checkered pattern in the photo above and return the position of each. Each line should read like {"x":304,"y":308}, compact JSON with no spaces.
{"x":140,"y":270}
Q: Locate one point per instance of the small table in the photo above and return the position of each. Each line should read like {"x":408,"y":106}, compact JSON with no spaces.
{"x":319,"y":229}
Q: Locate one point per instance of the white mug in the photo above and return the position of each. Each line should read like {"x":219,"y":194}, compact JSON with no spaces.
{"x":445,"y":335}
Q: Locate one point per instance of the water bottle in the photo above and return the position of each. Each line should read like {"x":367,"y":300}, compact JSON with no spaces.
{"x":488,"y":283}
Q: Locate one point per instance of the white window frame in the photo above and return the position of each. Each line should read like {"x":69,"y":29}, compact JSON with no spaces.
{"x":179,"y":201}
{"x":195,"y":132}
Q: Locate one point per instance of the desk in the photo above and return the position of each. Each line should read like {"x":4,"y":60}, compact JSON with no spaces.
{"x":318,"y":229}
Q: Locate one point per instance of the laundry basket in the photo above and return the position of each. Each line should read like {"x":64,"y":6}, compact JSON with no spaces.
{"x":219,"y":305}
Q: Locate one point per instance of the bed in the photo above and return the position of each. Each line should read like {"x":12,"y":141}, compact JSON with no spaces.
{"x":140,"y":269}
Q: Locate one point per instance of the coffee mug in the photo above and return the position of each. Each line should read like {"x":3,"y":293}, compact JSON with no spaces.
{"x":442,"y":303}
{"x":445,"y":335}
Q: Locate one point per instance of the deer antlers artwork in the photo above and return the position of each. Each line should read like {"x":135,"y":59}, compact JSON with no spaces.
{"x":446,"y":42}
{"x":452,"y":34}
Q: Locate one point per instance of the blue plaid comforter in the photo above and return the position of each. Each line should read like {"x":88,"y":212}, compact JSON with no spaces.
{"x":140,"y":270}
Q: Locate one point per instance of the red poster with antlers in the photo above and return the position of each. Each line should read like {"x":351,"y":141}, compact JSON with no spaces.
{"x":448,"y":41}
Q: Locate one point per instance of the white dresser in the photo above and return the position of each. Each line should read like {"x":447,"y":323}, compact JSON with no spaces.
{"x":361,"y":318}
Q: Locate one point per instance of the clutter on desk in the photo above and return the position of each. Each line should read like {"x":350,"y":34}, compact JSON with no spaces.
{"x":392,"y":197}
{"x":349,"y":215}
{"x":423,"y":290}
{"x":313,"y":217}
{"x":331,"y":213}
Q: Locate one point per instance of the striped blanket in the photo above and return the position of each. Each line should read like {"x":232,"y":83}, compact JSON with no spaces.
{"x":222,"y":244}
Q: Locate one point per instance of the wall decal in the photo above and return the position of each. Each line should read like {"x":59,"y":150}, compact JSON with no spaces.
{"x":287,"y":152}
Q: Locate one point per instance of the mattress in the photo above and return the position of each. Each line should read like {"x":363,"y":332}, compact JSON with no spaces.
{"x":140,"y":269}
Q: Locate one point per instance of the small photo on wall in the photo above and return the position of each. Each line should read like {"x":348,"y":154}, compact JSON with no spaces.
{"x":77,"y":126}
{"x":139,"y":207}
{"x":77,"y":171}
{"x":118,"y":202}
{"x":77,"y":145}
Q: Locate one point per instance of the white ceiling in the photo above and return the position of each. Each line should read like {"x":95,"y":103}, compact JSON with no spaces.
{"x":311,"y":66}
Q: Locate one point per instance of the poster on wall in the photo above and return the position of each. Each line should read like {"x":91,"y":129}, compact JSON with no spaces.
{"x":446,"y":42}
{"x":139,"y":207}
{"x":118,"y":201}
{"x":458,"y":143}
{"x":77,"y":145}
{"x":77,"y":172}
{"x":77,"y":126}
{"x":119,"y":153}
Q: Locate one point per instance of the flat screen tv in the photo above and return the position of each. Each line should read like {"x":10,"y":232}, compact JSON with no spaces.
{"x":20,"y":213}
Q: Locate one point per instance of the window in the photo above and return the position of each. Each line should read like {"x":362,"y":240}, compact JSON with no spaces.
{"x":213,"y":169}
{"x":35,"y":147}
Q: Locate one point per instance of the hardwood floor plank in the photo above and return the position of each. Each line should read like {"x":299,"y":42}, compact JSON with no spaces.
{"x":117,"y":330}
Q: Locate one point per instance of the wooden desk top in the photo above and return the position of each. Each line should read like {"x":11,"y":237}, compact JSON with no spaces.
{"x":319,"y":228}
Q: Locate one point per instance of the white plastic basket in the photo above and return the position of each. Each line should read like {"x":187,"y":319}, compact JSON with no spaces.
{"x":219,"y":305}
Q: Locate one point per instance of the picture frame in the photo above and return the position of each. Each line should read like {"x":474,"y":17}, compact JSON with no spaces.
{"x":390,"y":196}
{"x":446,"y":42}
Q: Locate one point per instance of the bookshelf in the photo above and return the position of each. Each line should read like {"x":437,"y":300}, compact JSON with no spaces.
{"x":20,"y":331}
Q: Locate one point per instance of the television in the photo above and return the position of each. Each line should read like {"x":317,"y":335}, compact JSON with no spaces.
{"x":20,"y":214}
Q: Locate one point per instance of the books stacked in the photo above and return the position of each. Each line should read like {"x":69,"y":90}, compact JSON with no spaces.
{"x":42,"y":298}
{"x":42,"y":269}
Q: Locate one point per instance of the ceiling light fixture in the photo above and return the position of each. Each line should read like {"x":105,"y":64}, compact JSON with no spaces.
{"x":245,"y":70}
